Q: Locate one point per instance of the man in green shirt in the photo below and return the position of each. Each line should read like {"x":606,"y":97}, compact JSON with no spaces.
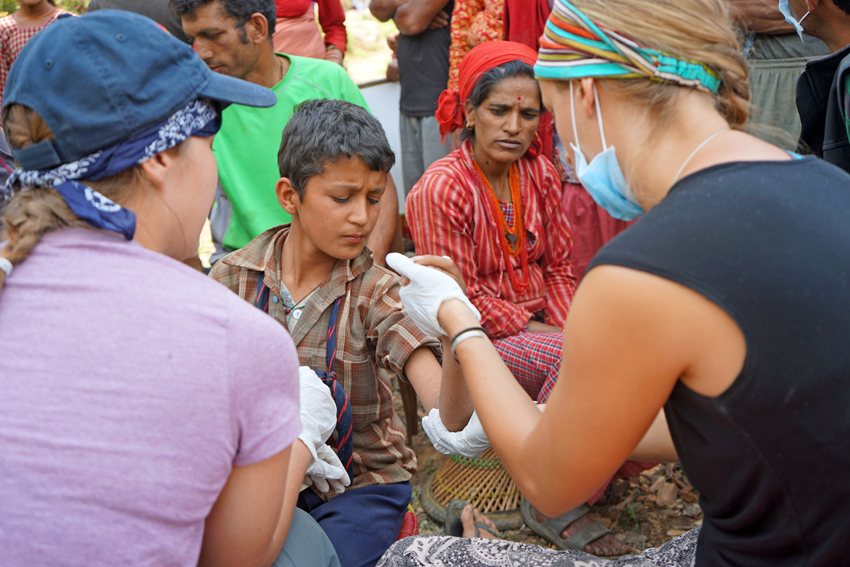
{"x":235,"y":39}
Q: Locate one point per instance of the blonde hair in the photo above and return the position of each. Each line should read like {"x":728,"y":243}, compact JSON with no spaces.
{"x":698,"y":30}
{"x":34,"y":212}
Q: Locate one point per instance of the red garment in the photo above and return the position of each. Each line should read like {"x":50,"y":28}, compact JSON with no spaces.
{"x":331,"y":18}
{"x":591,"y":225}
{"x":473,"y":22}
{"x":525,"y":20}
{"x":448,"y":214}
{"x":300,"y":36}
{"x":478,"y":61}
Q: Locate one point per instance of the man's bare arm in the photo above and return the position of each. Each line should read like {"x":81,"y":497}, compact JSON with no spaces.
{"x":383,"y":10}
{"x":414,"y":16}
{"x":760,"y":16}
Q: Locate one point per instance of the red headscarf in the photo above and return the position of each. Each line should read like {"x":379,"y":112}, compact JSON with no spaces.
{"x":475,"y":64}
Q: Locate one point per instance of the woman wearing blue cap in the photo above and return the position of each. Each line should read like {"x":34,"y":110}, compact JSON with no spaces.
{"x":727,"y":305}
{"x":147,"y":412}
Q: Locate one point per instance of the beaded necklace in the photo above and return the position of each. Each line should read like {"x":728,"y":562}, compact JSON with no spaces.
{"x":511,"y":238}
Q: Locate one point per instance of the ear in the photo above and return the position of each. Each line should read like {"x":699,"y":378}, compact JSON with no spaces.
{"x":287,"y":196}
{"x":468,"y":109}
{"x":156,"y":168}
{"x":585,"y":97}
{"x":257,"y":28}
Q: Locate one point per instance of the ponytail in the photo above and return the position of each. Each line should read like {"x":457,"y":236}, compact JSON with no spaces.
{"x":33,"y":213}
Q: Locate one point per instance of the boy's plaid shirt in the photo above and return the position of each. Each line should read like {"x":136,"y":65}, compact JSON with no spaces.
{"x":374,"y":341}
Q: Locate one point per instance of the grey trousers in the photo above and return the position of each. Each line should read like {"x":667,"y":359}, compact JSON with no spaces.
{"x":775,"y":64}
{"x":306,"y":545}
{"x":420,"y":147}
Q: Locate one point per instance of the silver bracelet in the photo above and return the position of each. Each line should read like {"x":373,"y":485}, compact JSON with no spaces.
{"x":466,"y":335}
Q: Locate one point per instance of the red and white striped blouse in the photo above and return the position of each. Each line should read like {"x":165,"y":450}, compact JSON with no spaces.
{"x":448,"y":214}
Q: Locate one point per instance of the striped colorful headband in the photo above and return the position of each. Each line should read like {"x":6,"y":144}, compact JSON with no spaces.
{"x":573,"y":47}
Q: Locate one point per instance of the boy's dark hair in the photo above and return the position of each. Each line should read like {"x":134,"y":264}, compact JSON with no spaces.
{"x":324,"y":131}
{"x":844,"y":5}
{"x":491,"y":79}
{"x":240,"y":10}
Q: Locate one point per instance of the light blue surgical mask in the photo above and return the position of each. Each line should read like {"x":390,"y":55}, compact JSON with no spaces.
{"x":603,"y":178}
{"x":798,"y":25}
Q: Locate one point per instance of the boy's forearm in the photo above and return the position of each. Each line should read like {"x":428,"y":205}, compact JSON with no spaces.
{"x":440,"y":387}
{"x":455,"y":403}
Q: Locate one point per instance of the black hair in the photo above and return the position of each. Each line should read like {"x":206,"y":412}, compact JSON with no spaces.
{"x":844,"y":5}
{"x":493,"y":78}
{"x":324,"y":131}
{"x":240,"y":10}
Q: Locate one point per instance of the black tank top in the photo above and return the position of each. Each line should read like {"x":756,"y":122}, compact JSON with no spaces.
{"x":768,"y":242}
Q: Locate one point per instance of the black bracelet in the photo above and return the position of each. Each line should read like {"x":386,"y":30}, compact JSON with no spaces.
{"x":467,"y":330}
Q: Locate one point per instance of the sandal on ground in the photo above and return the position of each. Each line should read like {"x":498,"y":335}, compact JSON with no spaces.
{"x":454,"y":527}
{"x":551,"y":528}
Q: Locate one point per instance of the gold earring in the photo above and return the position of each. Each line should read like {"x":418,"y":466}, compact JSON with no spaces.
{"x":469,"y":126}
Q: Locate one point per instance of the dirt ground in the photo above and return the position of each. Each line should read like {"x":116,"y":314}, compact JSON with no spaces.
{"x":644,"y":511}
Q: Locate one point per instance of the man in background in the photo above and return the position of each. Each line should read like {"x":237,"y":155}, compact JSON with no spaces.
{"x":776,"y":58}
{"x":235,"y":39}
{"x":422,"y":51}
{"x":823,"y":92}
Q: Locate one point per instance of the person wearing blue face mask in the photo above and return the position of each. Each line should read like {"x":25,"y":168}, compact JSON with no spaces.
{"x":785,"y":8}
{"x":725,"y":305}
{"x":823,"y":91}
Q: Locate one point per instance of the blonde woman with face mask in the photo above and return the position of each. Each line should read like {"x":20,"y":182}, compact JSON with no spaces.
{"x":725,"y":305}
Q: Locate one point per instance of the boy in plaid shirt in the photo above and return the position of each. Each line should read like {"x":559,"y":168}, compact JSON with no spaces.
{"x":334,"y":160}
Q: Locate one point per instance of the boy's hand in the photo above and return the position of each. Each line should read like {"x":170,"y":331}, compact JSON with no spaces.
{"x":470,"y":442}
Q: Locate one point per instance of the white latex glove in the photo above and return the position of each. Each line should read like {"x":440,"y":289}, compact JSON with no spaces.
{"x":318,"y":422}
{"x":426,"y":292}
{"x":326,"y":472}
{"x":470,"y":442}
{"x":318,"y":410}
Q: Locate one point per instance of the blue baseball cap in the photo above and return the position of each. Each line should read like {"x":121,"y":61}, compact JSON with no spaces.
{"x":106,"y":77}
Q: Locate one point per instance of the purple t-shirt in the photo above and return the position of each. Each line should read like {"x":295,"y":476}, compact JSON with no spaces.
{"x":131,"y":384}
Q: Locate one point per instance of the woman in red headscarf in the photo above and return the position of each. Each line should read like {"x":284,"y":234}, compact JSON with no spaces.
{"x":494,"y":207}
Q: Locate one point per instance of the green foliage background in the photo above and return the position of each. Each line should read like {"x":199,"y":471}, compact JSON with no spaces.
{"x":78,"y":6}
